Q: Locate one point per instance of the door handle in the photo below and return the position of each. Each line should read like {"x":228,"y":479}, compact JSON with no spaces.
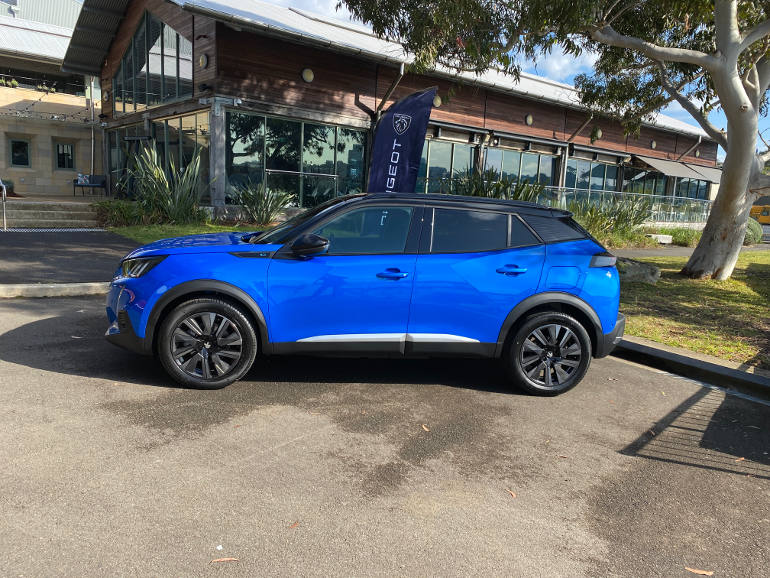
{"x":511,"y":270}
{"x":391,"y":273}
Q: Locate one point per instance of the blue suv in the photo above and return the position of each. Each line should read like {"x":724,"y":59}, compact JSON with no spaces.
{"x":377,"y":275}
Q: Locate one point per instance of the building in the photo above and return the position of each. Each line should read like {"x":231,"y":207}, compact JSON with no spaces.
{"x":278,"y":95}
{"x":48,"y":129}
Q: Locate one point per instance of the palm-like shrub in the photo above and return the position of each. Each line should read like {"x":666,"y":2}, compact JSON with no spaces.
{"x":165,"y":197}
{"x":261,"y":204}
{"x":490,"y":184}
{"x":616,"y":216}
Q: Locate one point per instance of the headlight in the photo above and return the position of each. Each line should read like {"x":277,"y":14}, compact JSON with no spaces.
{"x":137,"y":267}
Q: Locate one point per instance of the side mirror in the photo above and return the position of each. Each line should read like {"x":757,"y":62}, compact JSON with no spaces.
{"x":308,"y":245}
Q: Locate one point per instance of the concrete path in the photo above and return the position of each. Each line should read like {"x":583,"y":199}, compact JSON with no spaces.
{"x":322,"y":467}
{"x":60,"y":257}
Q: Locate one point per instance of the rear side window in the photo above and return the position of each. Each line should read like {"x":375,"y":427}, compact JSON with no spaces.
{"x":461,"y":231}
{"x":555,"y":230}
{"x":521,"y":236}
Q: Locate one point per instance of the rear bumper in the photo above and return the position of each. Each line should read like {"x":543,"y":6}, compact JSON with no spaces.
{"x":608,"y":341}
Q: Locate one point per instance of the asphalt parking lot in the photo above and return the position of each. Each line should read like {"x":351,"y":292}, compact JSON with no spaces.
{"x":364,"y":467}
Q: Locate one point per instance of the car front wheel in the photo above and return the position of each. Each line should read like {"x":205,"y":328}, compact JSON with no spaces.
{"x":207,"y":343}
{"x":549,"y":354}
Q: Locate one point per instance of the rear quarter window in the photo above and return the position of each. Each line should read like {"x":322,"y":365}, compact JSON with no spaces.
{"x":556,"y":229}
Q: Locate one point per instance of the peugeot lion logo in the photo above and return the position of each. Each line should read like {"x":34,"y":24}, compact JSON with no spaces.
{"x":401,"y":123}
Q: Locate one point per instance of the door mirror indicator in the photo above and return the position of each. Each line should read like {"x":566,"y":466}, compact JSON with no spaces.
{"x":309,"y":244}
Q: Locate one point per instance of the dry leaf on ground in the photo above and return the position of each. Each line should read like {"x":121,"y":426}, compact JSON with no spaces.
{"x":699,"y":572}
{"x":740,"y":459}
{"x":513,"y":494}
{"x":294,"y":525}
{"x":425,"y":427}
{"x":224,"y":560}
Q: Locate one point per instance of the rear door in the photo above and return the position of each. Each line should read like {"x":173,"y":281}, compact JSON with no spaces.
{"x":474,"y":266}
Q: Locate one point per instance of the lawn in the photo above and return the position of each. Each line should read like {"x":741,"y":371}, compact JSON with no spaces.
{"x":728,"y":319}
{"x":147,"y":233}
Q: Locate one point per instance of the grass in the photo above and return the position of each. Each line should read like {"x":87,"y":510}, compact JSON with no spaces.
{"x":727,"y":319}
{"x":148,"y":233}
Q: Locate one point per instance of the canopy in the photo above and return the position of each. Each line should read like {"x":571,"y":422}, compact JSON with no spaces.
{"x":672,"y":168}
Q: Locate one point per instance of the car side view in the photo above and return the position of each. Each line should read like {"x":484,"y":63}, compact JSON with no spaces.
{"x":377,"y":275}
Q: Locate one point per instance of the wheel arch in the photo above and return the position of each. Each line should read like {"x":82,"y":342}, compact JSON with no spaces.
{"x":551,"y":301}
{"x":206,"y":288}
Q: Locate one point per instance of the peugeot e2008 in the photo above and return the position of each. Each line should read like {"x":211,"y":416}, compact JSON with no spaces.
{"x":377,"y":274}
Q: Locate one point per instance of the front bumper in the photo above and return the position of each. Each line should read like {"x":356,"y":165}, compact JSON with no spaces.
{"x":121,"y":331}
{"x":608,"y":341}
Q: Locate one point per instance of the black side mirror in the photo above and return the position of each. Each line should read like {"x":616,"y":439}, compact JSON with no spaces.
{"x":309,"y":244}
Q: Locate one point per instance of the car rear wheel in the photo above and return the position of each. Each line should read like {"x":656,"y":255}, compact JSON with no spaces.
{"x":549,"y":354}
{"x":207,"y":343}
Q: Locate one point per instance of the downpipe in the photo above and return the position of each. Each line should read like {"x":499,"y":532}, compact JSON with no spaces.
{"x":5,"y":223}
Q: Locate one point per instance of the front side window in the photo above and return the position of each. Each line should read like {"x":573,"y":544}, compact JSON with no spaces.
{"x":19,"y":153}
{"x":456,"y":231}
{"x":369,"y":231}
{"x":65,"y":156}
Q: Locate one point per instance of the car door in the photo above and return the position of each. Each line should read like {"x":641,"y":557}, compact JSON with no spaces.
{"x":474,"y":266}
{"x":355,"y":297}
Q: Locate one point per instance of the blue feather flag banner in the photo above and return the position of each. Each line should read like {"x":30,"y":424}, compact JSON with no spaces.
{"x":398,"y":140}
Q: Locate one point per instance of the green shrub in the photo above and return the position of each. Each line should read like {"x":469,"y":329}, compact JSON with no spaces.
{"x":118,"y":213}
{"x":262,"y":205}
{"x":753,"y":233}
{"x":614,"y":223}
{"x":165,"y":197}
{"x":2,"y":81}
{"x":681,"y":236}
{"x":14,"y":83}
{"x":490,"y":184}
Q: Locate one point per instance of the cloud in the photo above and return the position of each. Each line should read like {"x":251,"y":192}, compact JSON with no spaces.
{"x":560,"y":66}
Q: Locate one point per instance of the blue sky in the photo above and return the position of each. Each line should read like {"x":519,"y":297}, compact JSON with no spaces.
{"x":560,"y":67}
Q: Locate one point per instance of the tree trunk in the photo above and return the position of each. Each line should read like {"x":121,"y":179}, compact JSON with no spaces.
{"x":720,"y":245}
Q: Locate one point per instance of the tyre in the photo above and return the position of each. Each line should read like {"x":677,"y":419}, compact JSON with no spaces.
{"x":207,"y":343}
{"x":549,"y":354}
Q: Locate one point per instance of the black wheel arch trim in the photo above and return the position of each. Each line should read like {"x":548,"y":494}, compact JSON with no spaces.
{"x":200,"y":286}
{"x":548,"y":298}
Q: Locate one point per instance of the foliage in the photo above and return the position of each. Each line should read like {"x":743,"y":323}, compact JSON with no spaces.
{"x":681,"y":236}
{"x":727,"y":319}
{"x":753,"y":233}
{"x":165,"y":197}
{"x":600,"y":219}
{"x":118,"y":213}
{"x":14,"y":83}
{"x":490,"y":184}
{"x":2,"y":81}
{"x":144,"y":234}
{"x":261,"y":204}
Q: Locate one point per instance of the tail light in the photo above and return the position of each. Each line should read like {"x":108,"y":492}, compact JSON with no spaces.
{"x":604,"y":259}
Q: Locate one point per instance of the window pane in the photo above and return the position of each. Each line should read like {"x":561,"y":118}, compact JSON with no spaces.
{"x":571,"y":178}
{"x":419,"y":187}
{"x":468,"y":231}
{"x":244,"y":149}
{"x":189,"y":139}
{"x":159,"y":134}
{"x":376,"y":230}
{"x":283,"y":182}
{"x":597,"y":176}
{"x":511,"y":162}
{"x":65,"y":158}
{"x":703,"y":188}
{"x":172,"y":132}
{"x":462,"y":159}
{"x":583,"y":175}
{"x":20,"y":153}
{"x":154,"y":65}
{"x":128,"y":80}
{"x":529,"y":166}
{"x":611,"y":180}
{"x":169,"y":63}
{"x":185,"y":67}
{"x":318,"y":149}
{"x":440,"y":166}
{"x":351,"y":148}
{"x":547,"y":170}
{"x":660,"y":184}
{"x":494,"y":161}
{"x":282,"y":144}
{"x":140,"y":67}
{"x":316,"y":190}
{"x":521,"y":236}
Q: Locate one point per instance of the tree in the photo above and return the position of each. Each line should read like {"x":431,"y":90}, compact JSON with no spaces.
{"x":700,"y":54}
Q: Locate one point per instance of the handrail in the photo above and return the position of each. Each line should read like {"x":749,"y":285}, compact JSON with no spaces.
{"x":5,"y":224}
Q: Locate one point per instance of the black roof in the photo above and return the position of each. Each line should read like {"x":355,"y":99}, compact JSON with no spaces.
{"x":473,"y":202}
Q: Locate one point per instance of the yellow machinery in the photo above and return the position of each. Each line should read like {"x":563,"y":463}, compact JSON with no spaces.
{"x":761,"y":213}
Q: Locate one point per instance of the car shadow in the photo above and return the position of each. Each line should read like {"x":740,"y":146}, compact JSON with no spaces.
{"x":73,"y":344}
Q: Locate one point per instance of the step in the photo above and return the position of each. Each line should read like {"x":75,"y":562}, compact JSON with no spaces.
{"x":48,"y":206}
{"x":52,"y":215}
{"x":45,"y":224}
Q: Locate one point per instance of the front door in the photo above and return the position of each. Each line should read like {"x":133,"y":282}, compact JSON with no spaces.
{"x":356,"y":296}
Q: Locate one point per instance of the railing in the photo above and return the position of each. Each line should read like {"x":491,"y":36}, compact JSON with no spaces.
{"x":5,"y":223}
{"x":32,"y":83}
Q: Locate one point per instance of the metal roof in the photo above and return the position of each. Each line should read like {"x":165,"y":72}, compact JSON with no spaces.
{"x":57,"y":12}
{"x":88,"y":50}
{"x":33,"y":40}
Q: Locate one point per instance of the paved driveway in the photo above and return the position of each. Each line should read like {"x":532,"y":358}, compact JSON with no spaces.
{"x":351,"y":467}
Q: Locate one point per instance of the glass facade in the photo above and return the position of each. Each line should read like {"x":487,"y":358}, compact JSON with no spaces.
{"x":583,"y":175}
{"x":639,"y":180}
{"x":315,"y":162}
{"x":522,"y":166}
{"x":691,"y":188}
{"x":156,"y":68}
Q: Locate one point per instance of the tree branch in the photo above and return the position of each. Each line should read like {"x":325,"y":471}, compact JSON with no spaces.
{"x":687,"y":104}
{"x":765,"y":156}
{"x":607,"y":35}
{"x":763,"y":72}
{"x":754,"y":35}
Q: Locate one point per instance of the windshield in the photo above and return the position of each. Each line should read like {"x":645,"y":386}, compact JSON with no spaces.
{"x":280,"y":233}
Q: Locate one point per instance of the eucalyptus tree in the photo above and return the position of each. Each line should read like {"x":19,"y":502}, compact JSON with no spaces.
{"x":702,"y":55}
